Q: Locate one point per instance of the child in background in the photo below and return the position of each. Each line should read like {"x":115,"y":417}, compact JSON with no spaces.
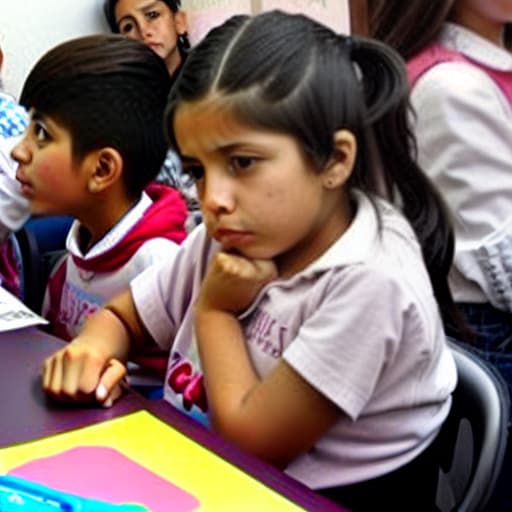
{"x":460,"y":69}
{"x":92,"y":148}
{"x":304,"y":298}
{"x":14,"y":209}
{"x":162,"y":26}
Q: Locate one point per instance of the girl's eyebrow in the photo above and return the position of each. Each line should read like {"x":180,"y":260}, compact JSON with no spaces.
{"x":143,"y":9}
{"x":228,"y":148}
{"x":146,"y":7}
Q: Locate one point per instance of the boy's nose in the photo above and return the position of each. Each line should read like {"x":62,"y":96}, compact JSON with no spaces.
{"x":20,"y":152}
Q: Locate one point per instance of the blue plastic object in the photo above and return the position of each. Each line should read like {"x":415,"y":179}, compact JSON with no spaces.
{"x":20,"y":495}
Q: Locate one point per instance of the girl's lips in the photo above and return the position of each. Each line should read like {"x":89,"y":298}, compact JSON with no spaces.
{"x":231,"y":237}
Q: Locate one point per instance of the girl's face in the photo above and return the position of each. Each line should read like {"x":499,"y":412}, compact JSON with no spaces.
{"x":485,"y":17}
{"x":50,"y":179}
{"x":153,"y":23}
{"x":259,"y":196}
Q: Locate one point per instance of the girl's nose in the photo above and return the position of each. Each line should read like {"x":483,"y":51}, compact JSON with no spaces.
{"x":145,"y":30}
{"x":217,"y":194}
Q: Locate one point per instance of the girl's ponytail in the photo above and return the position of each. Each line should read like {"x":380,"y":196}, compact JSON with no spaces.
{"x":385,"y":89}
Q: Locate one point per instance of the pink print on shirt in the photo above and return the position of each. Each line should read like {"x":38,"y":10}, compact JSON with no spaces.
{"x":264,"y":332}
{"x":184,"y":381}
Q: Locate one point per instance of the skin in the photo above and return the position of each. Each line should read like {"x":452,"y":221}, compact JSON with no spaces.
{"x":56,"y":183}
{"x":485,"y":17}
{"x":273,"y":215}
{"x":153,"y":23}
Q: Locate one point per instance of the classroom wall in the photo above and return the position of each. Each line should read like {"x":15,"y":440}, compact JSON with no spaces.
{"x":28,"y":28}
{"x":203,"y":14}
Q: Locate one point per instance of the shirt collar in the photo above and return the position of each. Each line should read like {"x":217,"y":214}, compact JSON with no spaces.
{"x":356,"y":243}
{"x":117,"y":232}
{"x":460,"y":39}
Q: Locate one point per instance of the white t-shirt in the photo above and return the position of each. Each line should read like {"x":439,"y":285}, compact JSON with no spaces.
{"x":14,"y":208}
{"x":463,"y":127}
{"x":360,"y":324}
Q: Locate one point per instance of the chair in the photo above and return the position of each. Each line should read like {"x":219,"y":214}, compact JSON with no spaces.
{"x":30,"y":268}
{"x":474,"y":437}
{"x":36,"y":266}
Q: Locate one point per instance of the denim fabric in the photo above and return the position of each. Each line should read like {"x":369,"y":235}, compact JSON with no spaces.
{"x":493,"y":341}
{"x":494,"y":344}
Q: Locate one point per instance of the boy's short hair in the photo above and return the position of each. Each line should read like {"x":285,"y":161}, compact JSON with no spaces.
{"x":108,"y":91}
{"x":110,"y":5}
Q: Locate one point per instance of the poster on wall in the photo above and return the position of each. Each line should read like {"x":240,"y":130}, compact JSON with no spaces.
{"x":204,"y":14}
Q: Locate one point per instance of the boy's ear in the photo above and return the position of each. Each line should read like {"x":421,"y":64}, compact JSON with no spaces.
{"x":339,"y":168}
{"x":107,"y":169}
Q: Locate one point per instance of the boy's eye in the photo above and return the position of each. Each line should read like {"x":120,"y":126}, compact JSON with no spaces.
{"x":40,"y":132}
{"x":195,"y":171}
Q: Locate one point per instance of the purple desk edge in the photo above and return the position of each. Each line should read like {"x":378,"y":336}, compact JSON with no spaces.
{"x":30,"y":416}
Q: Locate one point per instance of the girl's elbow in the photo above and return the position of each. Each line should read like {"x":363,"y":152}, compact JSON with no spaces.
{"x":249,"y":437}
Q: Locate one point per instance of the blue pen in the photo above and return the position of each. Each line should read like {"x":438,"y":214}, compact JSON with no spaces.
{"x":20,"y":495}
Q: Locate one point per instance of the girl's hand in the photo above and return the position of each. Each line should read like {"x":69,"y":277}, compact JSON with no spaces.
{"x":232,"y":282}
{"x":81,"y":372}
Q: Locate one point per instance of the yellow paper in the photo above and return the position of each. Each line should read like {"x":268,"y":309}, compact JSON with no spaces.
{"x":155,"y":445}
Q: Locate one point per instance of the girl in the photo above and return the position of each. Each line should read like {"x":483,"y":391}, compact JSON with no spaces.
{"x":300,"y":317}
{"x":460,"y":69}
{"x":157,"y":23}
{"x":161,"y":25}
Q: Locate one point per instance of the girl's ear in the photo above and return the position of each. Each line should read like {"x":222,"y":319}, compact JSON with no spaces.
{"x":107,"y":169}
{"x":180,"y":22}
{"x":339,"y":168}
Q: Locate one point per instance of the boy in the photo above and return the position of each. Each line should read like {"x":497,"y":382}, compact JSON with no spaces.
{"x":93,"y":146}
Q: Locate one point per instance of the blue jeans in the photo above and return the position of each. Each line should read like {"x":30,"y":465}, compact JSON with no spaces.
{"x":493,"y":329}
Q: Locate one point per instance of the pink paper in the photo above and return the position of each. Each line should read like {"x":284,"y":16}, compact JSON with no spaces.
{"x":103,"y":473}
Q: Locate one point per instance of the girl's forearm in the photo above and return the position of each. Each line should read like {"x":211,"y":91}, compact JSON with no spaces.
{"x":228,"y":371}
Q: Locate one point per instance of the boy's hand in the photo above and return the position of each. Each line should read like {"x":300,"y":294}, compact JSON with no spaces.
{"x":81,"y":372}
{"x":232,"y":282}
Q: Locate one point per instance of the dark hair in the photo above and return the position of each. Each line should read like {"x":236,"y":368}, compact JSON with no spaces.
{"x":183,"y":44}
{"x":409,"y":27}
{"x":107,"y":90}
{"x":311,"y":86}
{"x":109,"y":7}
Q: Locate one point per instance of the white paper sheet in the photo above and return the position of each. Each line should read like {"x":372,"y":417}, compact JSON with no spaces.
{"x":14,"y":314}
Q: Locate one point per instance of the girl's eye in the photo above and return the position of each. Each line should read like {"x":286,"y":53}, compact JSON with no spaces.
{"x":196,"y":172}
{"x":125,"y":28}
{"x":241,"y":163}
{"x":152,"y":15}
{"x":40,"y":132}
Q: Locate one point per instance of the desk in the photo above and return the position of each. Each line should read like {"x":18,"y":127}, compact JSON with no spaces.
{"x":26,"y":415}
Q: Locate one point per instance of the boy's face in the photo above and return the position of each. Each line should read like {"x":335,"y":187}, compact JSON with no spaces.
{"x":50,"y":179}
{"x":153,"y":23}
